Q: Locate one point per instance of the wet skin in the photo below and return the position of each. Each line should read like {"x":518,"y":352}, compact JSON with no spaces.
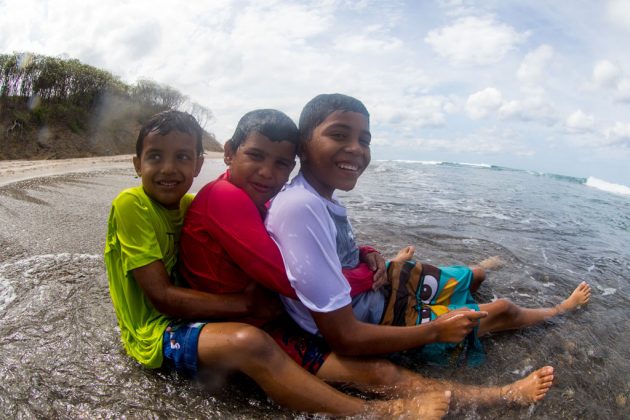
{"x":260,"y":166}
{"x":337,"y":153}
{"x":168,"y":165}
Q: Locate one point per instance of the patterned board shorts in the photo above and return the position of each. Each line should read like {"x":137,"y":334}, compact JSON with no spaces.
{"x":179,"y":346}
{"x":308,"y":350}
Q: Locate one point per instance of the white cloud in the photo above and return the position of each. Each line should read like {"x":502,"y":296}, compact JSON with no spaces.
{"x":474,"y":40}
{"x":535,"y":64}
{"x":529,"y":109}
{"x":369,"y":43}
{"x":619,"y":134}
{"x":618,"y":12}
{"x":623,"y":91}
{"x":606,"y":74}
{"x":484,"y":141}
{"x":580,"y":122}
{"x":481,"y":104}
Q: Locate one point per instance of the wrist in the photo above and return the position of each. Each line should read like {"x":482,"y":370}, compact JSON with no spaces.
{"x":365,"y":250}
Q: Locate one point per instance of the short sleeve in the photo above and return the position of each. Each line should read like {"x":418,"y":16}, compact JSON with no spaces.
{"x":134,"y":232}
{"x":300,"y":224}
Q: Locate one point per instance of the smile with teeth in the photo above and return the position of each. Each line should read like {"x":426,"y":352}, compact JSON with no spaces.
{"x":348,"y":166}
{"x":167,"y":184}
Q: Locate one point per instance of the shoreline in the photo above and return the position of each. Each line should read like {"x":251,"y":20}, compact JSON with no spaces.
{"x":19,"y":170}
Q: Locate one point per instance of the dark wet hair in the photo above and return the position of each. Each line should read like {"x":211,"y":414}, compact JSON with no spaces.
{"x":166,"y":121}
{"x":320,"y":107}
{"x":271,"y":123}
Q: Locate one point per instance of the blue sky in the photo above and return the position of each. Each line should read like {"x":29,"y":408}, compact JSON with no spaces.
{"x":532,"y":84}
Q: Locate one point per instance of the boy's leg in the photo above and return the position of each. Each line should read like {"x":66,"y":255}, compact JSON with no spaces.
{"x":244,"y":348}
{"x":505,"y":315}
{"x":388,"y":379}
{"x":479,"y":271}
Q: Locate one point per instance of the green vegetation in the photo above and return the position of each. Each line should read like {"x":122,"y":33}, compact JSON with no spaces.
{"x":52,"y":107}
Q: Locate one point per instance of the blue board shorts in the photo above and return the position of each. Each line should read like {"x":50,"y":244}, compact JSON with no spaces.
{"x":179,"y":346}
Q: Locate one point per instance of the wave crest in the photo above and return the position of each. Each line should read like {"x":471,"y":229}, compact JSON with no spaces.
{"x":608,"y":186}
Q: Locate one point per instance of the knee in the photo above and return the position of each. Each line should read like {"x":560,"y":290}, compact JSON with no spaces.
{"x":479,"y":274}
{"x":253,"y":342}
{"x":507,"y":309}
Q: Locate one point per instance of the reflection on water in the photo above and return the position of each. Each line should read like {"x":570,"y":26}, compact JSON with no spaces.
{"x":60,"y":355}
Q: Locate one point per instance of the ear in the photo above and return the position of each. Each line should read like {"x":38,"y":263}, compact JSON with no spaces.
{"x":137,"y":165}
{"x":228,"y":152}
{"x":198,"y":165}
{"x":301,"y":152}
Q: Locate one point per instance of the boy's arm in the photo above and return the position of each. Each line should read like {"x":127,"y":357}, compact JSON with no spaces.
{"x":180,"y":302}
{"x":348,"y":336}
{"x":306,"y":235}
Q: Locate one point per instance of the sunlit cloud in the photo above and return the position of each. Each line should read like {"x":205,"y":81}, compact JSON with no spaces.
{"x":580,"y":122}
{"x":483,"y":103}
{"x":532,"y":70}
{"x":619,"y":13}
{"x":606,"y":74}
{"x":619,"y":134}
{"x":474,"y":40}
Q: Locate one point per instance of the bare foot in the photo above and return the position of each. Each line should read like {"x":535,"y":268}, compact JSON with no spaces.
{"x":428,"y":405}
{"x":580,"y":296}
{"x":530,"y":389}
{"x":491,"y":263}
{"x":405,"y":254}
{"x":479,"y":271}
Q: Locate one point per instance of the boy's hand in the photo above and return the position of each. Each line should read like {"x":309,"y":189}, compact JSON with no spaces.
{"x":454,"y":326}
{"x":262,"y":303}
{"x":376,"y":263}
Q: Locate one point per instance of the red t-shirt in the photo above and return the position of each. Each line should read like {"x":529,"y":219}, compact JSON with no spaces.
{"x":224,"y":246}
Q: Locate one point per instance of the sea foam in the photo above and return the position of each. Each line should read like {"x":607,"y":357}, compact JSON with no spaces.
{"x":608,"y":186}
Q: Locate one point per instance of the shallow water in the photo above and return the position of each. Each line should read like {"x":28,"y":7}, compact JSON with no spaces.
{"x":60,"y":355}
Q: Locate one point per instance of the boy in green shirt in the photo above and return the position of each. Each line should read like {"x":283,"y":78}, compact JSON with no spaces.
{"x":154,"y":313}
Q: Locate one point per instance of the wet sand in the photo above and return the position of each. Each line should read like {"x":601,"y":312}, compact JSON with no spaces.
{"x":19,"y":170}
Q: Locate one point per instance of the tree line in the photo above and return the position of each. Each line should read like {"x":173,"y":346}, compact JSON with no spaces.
{"x":46,"y":80}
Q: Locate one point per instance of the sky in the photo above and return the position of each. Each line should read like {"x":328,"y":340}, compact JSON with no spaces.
{"x":534,"y":84}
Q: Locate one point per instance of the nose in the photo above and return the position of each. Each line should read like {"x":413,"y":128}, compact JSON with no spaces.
{"x":168,"y":166}
{"x":265,"y":170}
{"x":353,"y":145}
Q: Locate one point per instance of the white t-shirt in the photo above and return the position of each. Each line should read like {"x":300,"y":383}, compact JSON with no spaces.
{"x":300,"y":222}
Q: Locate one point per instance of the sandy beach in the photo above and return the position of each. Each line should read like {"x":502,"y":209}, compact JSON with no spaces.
{"x":20,"y":170}
{"x":55,"y":303}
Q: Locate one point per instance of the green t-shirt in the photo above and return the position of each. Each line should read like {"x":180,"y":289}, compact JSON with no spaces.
{"x":139,"y":232}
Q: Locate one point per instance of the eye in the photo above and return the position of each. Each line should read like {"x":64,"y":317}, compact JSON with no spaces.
{"x":153,"y":156}
{"x":283,"y":164}
{"x":429,"y":289}
{"x":184,"y":156}
{"x":337,"y":135}
{"x":254,"y":155}
{"x":365,"y":141}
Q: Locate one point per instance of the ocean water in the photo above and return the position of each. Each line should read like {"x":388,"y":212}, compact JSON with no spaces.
{"x":60,"y":356}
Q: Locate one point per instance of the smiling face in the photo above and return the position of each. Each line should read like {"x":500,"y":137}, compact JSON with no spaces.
{"x":337,"y":152}
{"x":168,"y":165}
{"x":260,"y":166}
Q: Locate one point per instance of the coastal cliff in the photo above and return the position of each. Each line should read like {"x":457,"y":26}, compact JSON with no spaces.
{"x":52,"y":108}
